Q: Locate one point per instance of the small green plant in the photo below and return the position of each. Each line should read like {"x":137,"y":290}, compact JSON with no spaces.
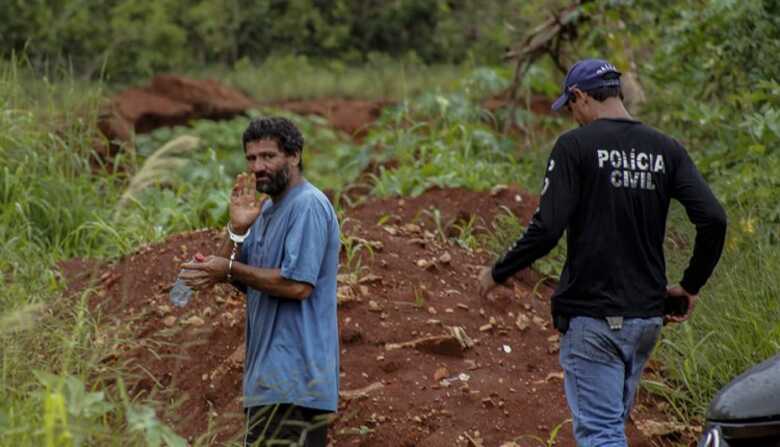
{"x":466,"y":238}
{"x":142,"y":419}
{"x":354,"y":249}
{"x":551,"y":440}
{"x":506,"y":230}
{"x":384,"y":218}
{"x":438,"y":223}
{"x":419,"y":297}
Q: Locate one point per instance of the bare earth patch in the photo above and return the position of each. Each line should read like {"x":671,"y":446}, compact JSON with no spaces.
{"x":424,"y":360}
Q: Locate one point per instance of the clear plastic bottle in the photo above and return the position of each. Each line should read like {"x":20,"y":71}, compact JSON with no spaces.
{"x":181,"y":294}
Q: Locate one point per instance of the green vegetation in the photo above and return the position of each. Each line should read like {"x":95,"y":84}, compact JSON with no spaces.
{"x":291,"y":77}
{"x":52,"y":389}
{"x":710,"y":71}
{"x":125,"y":38}
{"x":716,"y":72}
{"x":449,"y":140}
{"x":737,"y":324}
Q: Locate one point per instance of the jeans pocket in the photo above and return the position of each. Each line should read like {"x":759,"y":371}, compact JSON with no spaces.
{"x":649,"y":336}
{"x":595,"y":341}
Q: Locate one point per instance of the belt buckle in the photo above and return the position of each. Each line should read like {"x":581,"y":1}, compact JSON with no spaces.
{"x":615,"y":323}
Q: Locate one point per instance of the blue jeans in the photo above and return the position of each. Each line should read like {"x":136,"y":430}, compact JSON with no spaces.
{"x":602,"y":369}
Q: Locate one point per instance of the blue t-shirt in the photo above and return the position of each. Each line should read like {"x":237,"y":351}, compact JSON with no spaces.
{"x":292,"y":352}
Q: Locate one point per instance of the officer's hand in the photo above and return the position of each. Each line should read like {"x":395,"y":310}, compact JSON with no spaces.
{"x":680,"y":292}
{"x":200,"y":275}
{"x":485,"y":281}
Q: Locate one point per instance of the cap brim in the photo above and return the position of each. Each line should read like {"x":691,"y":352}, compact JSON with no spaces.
{"x":560,"y":102}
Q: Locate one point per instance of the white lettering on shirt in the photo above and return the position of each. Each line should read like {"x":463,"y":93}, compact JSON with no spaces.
{"x":632,"y":169}
{"x":603,"y":156}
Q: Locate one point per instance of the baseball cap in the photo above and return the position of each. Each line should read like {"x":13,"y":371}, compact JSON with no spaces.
{"x":587,"y":74}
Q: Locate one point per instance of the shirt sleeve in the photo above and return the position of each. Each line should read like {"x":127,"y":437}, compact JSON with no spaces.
{"x":707,"y":215}
{"x":305,"y":244}
{"x":558,"y":201}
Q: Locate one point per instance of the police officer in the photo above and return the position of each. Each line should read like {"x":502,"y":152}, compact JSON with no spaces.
{"x":608,"y":184}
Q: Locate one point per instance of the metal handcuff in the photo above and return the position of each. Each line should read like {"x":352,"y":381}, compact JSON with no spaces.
{"x":237,"y":239}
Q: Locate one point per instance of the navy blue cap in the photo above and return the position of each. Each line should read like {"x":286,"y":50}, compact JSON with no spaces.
{"x":587,"y":74}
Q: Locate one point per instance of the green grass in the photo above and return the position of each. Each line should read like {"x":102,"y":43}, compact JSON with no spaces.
{"x":52,"y":384}
{"x":736,"y":323}
{"x":449,"y":140}
{"x":297,"y":77}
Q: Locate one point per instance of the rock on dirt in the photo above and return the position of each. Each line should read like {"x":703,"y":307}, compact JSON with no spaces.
{"x":437,"y":344}
{"x":362,"y":392}
{"x":440,"y":373}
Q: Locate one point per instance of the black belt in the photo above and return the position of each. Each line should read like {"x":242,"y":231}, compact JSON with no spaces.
{"x":561,"y":322}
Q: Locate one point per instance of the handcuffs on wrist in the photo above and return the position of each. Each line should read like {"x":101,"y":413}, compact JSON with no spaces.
{"x":237,"y":239}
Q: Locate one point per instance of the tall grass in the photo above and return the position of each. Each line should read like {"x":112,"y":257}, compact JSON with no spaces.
{"x":298,"y":77}
{"x":52,"y":383}
{"x":735,"y":325}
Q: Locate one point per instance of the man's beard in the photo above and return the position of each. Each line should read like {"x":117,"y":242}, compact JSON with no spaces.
{"x":277,"y":182}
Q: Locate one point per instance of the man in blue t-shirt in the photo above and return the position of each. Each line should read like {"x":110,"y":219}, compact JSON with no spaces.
{"x":284,"y":255}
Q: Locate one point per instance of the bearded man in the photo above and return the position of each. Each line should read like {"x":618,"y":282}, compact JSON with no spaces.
{"x":284,"y":255}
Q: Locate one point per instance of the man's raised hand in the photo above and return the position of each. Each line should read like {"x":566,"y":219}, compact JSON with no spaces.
{"x":244,"y":205}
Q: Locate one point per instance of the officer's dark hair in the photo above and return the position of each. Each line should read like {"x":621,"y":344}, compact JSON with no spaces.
{"x":281,"y":130}
{"x":600,"y":94}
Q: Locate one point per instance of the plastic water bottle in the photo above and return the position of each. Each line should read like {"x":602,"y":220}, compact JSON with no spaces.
{"x":180,"y":293}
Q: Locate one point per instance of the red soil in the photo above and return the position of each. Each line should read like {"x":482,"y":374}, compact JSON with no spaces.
{"x":407,"y":289}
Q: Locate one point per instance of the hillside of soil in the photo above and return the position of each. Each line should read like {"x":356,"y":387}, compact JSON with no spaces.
{"x":424,"y":360}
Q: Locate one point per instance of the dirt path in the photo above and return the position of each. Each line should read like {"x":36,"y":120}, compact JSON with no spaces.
{"x":397,"y":390}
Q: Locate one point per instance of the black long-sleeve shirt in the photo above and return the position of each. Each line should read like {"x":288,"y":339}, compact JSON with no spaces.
{"x":609,"y":184}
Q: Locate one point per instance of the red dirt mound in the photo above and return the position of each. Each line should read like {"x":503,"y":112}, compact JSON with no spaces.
{"x":169,"y":100}
{"x":350,"y":116}
{"x":424,"y":361}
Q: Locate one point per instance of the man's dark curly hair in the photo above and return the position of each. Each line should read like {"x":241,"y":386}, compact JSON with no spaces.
{"x":279,"y":129}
